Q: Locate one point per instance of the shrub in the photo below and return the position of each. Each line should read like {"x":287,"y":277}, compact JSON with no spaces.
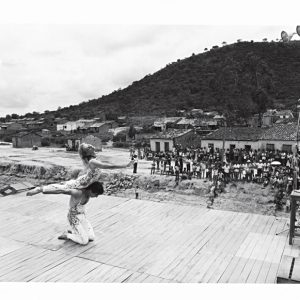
{"x":7,"y":139}
{"x":45,"y":142}
{"x":121,"y":145}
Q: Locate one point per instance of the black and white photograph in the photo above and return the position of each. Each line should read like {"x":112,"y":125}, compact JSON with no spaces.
{"x":163,"y":152}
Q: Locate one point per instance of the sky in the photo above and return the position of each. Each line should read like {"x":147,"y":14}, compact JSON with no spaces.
{"x":46,"y":66}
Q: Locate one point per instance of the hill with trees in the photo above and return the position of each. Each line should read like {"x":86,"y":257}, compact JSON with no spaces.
{"x":242,"y":79}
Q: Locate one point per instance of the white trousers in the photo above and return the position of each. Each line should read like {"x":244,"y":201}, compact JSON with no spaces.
{"x":82,"y":231}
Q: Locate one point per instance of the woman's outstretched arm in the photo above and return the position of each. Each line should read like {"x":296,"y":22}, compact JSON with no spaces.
{"x":94,"y":163}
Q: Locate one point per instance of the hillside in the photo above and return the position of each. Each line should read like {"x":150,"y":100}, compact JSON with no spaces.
{"x":244,"y":78}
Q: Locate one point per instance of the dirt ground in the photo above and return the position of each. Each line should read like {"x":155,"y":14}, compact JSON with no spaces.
{"x":56,"y":163}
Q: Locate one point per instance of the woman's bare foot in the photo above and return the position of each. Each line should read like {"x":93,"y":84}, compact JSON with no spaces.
{"x":34,"y":191}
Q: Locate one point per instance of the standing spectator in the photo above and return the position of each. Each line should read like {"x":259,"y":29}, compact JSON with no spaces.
{"x":180,"y":164}
{"x":188,"y":164}
{"x":177,"y":173}
{"x":135,"y":163}
{"x":153,"y":167}
{"x":136,"y":192}
{"x":203,"y":169}
{"x":226,"y":169}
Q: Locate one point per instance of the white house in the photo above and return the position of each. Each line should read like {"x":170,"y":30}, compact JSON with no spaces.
{"x":165,"y":141}
{"x":233,"y":137}
{"x":279,"y":137}
{"x":68,"y":126}
{"x":73,"y":125}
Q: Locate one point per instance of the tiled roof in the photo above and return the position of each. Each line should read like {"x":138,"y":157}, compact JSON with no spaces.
{"x":284,"y":112}
{"x":281,"y":132}
{"x":23,"y":133}
{"x":167,"y":120}
{"x":186,"y":121}
{"x":170,"y":134}
{"x":95,"y":125}
{"x":235,"y":134}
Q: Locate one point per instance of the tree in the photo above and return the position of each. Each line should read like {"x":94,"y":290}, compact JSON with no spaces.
{"x":131,"y":132}
{"x":265,"y":40}
{"x":7,"y":118}
{"x":224,"y":43}
{"x":14,"y":116}
{"x":205,"y":49}
{"x":239,"y":40}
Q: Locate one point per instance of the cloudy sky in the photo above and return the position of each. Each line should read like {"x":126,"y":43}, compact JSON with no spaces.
{"x":46,"y":66}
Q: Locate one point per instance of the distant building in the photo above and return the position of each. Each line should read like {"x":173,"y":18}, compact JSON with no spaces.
{"x":34,"y":125}
{"x":235,"y":137}
{"x":67,"y":126}
{"x":10,"y":127}
{"x":284,"y":114}
{"x":27,"y":140}
{"x":122,"y":120}
{"x":74,"y":140}
{"x":186,"y":123}
{"x":165,"y":141}
{"x":196,"y":112}
{"x":72,"y":126}
{"x":272,"y":116}
{"x":163,"y":124}
{"x":280,"y":137}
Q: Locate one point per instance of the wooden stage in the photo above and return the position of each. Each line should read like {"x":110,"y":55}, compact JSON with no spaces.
{"x":138,"y":241}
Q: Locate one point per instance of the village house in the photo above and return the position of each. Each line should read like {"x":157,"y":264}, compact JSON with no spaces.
{"x":196,"y":112}
{"x":219,"y":119}
{"x":67,"y":126}
{"x":32,"y":125}
{"x":72,"y":126}
{"x":74,"y":140}
{"x":100,"y":127}
{"x":281,"y":137}
{"x":233,"y":137}
{"x":122,"y":120}
{"x":24,"y":120}
{"x":162,"y":124}
{"x":272,"y":116}
{"x":285,"y":114}
{"x":10,"y":127}
{"x":27,"y":140}
{"x":186,"y":123}
{"x":166,"y":141}
{"x":211,"y":113}
{"x":181,"y":113}
{"x":206,"y":126}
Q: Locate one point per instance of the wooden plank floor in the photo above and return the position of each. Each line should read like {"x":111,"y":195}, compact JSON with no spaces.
{"x":138,"y":241}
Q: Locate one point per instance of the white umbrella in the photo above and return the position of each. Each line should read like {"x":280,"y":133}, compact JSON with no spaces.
{"x":275,"y":163}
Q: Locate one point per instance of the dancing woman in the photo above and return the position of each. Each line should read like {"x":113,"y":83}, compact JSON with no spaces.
{"x":92,"y":171}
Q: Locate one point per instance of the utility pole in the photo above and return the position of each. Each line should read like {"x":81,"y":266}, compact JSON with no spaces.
{"x":298,"y":115}
{"x":224,"y":138}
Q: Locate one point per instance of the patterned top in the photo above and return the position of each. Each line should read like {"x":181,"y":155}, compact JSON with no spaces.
{"x":85,"y":180}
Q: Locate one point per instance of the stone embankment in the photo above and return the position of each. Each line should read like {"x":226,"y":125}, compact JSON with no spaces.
{"x":243,"y":197}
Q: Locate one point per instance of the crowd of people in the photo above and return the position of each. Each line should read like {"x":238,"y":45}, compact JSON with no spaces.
{"x":274,"y":168}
